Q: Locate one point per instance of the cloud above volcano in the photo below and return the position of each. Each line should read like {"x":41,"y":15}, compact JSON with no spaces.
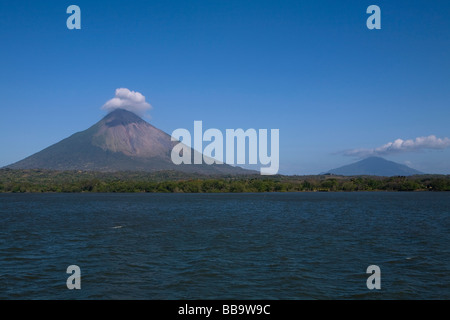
{"x":129,"y":100}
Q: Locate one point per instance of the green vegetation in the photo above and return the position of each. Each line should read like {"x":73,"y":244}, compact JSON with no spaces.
{"x":172,"y":181}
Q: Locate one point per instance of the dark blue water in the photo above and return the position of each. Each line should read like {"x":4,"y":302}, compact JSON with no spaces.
{"x":225,"y":246}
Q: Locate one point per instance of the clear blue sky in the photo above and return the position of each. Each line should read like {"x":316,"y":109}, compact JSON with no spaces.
{"x":309,"y":68}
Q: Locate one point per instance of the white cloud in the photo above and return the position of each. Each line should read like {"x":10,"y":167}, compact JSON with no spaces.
{"x":129,"y":100}
{"x":400,"y":146}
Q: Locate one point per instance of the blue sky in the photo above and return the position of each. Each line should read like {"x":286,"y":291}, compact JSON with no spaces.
{"x":309,"y":68}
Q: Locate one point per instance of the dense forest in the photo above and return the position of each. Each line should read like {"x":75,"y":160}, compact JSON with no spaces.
{"x":171,"y":181}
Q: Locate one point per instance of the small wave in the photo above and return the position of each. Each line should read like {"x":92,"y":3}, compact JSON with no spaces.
{"x":117,"y":227}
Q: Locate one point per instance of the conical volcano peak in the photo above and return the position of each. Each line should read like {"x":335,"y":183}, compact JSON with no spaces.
{"x":121,"y":117}
{"x":121,"y":141}
{"x":125,"y":132}
{"x":375,"y":166}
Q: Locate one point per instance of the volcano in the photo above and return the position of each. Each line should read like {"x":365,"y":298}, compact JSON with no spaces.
{"x":121,"y":141}
{"x":375,"y":166}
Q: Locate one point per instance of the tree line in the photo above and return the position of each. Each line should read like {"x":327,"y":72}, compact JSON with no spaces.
{"x":168,"y":182}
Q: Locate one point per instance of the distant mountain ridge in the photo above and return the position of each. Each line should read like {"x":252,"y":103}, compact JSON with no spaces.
{"x":121,"y":141}
{"x":374,"y":166}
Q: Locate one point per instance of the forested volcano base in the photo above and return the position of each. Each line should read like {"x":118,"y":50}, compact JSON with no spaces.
{"x":172,"y":181}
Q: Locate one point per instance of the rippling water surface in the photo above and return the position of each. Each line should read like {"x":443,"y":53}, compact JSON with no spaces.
{"x":225,"y":246}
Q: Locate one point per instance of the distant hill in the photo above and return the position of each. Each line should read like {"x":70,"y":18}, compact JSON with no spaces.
{"x":375,"y":166}
{"x":121,"y":141}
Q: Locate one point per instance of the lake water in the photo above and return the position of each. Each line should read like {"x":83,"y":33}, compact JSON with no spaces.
{"x":225,"y":246}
